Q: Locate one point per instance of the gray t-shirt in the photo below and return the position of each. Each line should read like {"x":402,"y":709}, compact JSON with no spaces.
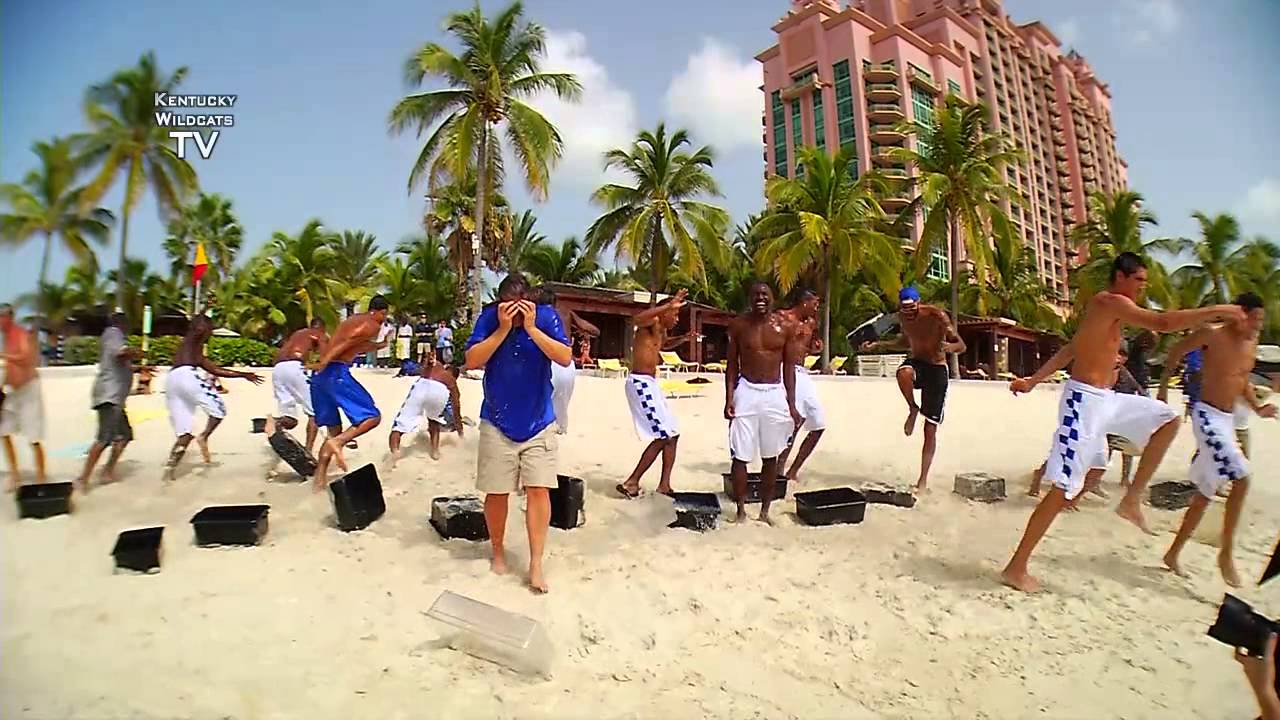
{"x":115,"y":374}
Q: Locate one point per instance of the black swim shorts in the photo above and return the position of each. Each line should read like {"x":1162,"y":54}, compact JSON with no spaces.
{"x":113,"y":424}
{"x":931,"y":381}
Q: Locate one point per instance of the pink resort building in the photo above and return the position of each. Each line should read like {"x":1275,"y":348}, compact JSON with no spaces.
{"x":845,"y":76}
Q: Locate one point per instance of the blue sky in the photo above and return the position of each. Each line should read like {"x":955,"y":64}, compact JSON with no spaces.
{"x":1196,"y":99}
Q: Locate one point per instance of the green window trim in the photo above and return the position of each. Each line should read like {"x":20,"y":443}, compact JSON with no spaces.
{"x":921,"y":71}
{"x":779,"y":135}
{"x":953,"y":87}
{"x":846,"y":123}
{"x":797,"y":132}
{"x":819,"y":121}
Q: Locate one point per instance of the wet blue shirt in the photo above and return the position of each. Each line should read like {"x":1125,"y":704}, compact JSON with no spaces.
{"x":517,"y":378}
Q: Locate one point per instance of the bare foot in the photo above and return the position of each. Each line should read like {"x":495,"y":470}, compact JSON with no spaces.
{"x":741,"y":517}
{"x":764,"y":518}
{"x":434,"y":453}
{"x":1020,"y":581}
{"x":1133,"y":514}
{"x":1097,"y":490}
{"x":202,"y":442}
{"x":1171,"y":562}
{"x":106,"y":477}
{"x":1037,"y":476}
{"x":170,"y":473}
{"x":82,"y":485}
{"x":922,"y":487}
{"x":330,"y":449}
{"x":498,"y":565}
{"x":910,"y":425}
{"x":1228,"y":568}
{"x":537,"y":583}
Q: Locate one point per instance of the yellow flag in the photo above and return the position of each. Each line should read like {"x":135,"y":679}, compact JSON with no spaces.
{"x":201,"y":264}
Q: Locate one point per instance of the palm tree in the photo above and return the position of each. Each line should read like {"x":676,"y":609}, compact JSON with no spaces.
{"x":1013,"y":288}
{"x":1259,"y":272}
{"x":355,"y":266}
{"x":305,"y":265}
{"x":209,"y":220}
{"x":497,"y":70}
{"x":452,"y":218}
{"x":139,"y":286}
{"x":564,"y":264}
{"x":125,"y":139}
{"x":524,"y":237}
{"x":617,"y":279}
{"x":657,"y":221}
{"x":1114,"y":226}
{"x":821,"y":225}
{"x":398,"y":285}
{"x":960,"y":188}
{"x":1218,"y":254}
{"x":46,"y":205}
{"x":429,"y":269}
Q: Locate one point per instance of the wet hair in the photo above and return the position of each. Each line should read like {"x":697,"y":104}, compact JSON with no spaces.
{"x":6,"y":309}
{"x":546,"y":296}
{"x":317,"y":324}
{"x":1127,"y":263}
{"x":1249,"y":301}
{"x":802,"y":294}
{"x":512,"y":287}
{"x":377,"y":302}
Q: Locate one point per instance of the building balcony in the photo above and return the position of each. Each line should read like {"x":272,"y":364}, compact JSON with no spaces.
{"x":803,"y":87}
{"x":1054,"y":109}
{"x":1067,"y":201}
{"x":1055,"y":121}
{"x":1060,"y":152}
{"x":883,"y":91}
{"x":894,"y":203}
{"x":895,"y":173}
{"x":887,"y":134}
{"x":922,"y":81}
{"x":889,"y":112}
{"x":880,"y":72}
{"x":884,"y":156}
{"x":1064,"y":170}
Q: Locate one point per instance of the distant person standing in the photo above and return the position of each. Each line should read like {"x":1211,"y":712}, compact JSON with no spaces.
{"x":386,"y":341}
{"x":110,"y":389}
{"x":423,"y":336}
{"x":23,"y":409}
{"x":444,"y":344}
{"x":515,"y":341}
{"x":404,"y":341}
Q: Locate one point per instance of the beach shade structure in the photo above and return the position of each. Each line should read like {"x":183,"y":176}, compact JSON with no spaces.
{"x":698,"y":511}
{"x":567,"y":500}
{"x":1273,"y":565}
{"x":459,"y":516}
{"x":831,"y":507}
{"x":493,"y":634}
{"x":755,"y":487}
{"x":139,"y":550}
{"x":357,"y":498}
{"x":872,"y":330}
{"x":230,"y":524}
{"x":44,"y":500}
{"x":979,"y":486}
{"x":292,"y":452}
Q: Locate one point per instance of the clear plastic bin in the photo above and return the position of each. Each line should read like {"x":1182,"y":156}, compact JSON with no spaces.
{"x":494,"y":634}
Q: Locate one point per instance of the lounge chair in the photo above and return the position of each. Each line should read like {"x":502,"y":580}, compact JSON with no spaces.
{"x":837,"y":364}
{"x":673,"y":360}
{"x":681,"y":388}
{"x":720,"y":366}
{"x":810,"y":361}
{"x":613,"y":365}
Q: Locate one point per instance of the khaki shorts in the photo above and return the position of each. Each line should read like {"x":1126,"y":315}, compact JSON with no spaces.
{"x":504,"y":465}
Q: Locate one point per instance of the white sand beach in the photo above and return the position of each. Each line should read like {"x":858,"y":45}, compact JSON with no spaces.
{"x":901,"y":616}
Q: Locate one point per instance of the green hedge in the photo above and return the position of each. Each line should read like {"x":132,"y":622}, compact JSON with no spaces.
{"x":243,"y":352}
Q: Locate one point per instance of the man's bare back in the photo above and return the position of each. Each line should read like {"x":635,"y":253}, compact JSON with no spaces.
{"x":359,"y":333}
{"x":300,"y":343}
{"x":190,"y":351}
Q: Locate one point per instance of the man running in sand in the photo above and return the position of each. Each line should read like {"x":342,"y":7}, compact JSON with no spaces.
{"x":431,"y":393}
{"x":1228,"y":357}
{"x":1089,"y":411}
{"x":653,"y":420}
{"x":333,"y":388}
{"x":760,"y":394}
{"x":803,"y":315}
{"x":289,"y":382}
{"x":110,"y":390}
{"x":23,"y":409}
{"x":515,"y":341}
{"x":185,"y":390}
{"x":929,"y":334}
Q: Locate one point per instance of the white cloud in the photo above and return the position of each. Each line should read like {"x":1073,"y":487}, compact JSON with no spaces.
{"x":1260,"y":209}
{"x":717,"y":97}
{"x":1068,"y":32}
{"x":1147,"y":21}
{"x":604,"y":117}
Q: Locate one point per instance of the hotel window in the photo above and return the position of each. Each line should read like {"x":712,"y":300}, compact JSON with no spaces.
{"x":953,"y":87}
{"x":939,"y":264}
{"x":797,"y":133}
{"x":846,"y":130}
{"x":779,"y":135}
{"x":921,"y":106}
{"x":819,"y":121}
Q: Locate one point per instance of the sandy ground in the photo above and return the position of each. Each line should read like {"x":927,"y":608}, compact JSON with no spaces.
{"x":900,"y":616}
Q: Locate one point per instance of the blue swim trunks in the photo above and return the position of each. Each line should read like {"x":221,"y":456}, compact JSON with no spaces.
{"x":333,"y":389}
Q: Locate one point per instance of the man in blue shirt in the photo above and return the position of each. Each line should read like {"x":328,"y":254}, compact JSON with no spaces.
{"x":515,"y":341}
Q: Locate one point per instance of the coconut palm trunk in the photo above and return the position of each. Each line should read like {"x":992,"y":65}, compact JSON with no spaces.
{"x":953,"y":360}
{"x":482,"y":211}
{"x":124,"y":245}
{"x":826,"y":318}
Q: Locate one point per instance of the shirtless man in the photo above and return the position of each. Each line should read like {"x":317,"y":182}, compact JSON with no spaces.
{"x":1089,"y":411}
{"x":653,"y":420}
{"x":760,"y":394}
{"x":1228,"y":354}
{"x":23,"y":409}
{"x":289,"y":380}
{"x":185,"y":390}
{"x":803,"y":316}
{"x":333,"y":388}
{"x":430,"y":395}
{"x":929,"y":334}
